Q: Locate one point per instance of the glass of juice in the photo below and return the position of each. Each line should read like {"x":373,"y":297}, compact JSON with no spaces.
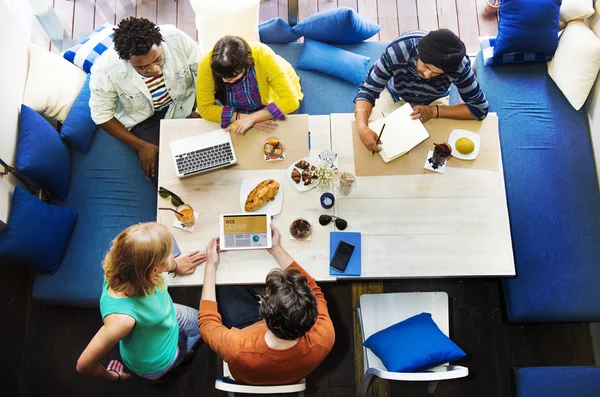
{"x":187,"y":217}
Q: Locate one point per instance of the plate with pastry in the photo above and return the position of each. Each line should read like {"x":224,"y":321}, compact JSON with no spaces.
{"x":300,"y":174}
{"x":262,"y":194}
{"x":274,"y":149}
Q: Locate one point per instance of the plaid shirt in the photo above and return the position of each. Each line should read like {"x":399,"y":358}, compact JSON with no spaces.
{"x":243,"y":97}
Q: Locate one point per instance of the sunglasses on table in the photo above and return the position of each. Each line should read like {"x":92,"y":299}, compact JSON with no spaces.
{"x":339,"y":222}
{"x":175,"y":199}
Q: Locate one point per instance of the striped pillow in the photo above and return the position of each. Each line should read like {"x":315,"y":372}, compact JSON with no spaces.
{"x":487,"y":48}
{"x":85,"y":53}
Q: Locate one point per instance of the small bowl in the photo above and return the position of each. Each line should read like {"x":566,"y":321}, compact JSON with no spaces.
{"x":274,"y":149}
{"x":301,"y":229}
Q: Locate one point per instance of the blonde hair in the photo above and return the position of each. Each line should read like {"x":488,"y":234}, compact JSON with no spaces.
{"x":134,"y":254}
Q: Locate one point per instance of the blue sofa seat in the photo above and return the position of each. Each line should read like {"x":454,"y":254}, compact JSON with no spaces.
{"x":552,"y":194}
{"x":558,"y":382}
{"x":110,"y":193}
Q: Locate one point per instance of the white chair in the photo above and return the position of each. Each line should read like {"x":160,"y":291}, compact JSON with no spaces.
{"x":233,"y":388}
{"x":379,"y":311}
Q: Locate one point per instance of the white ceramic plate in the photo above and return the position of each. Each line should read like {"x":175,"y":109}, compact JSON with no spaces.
{"x":300,"y":186}
{"x":272,"y":207}
{"x":455,"y":135}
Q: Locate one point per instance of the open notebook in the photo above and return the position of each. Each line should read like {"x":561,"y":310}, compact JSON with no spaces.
{"x":401,"y":133}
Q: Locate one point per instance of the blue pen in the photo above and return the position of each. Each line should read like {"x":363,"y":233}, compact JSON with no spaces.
{"x":309,"y":140}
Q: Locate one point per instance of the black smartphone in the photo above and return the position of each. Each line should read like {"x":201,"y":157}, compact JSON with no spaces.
{"x":341,"y":256}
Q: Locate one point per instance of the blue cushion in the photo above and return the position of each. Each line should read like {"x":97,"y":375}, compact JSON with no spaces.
{"x":552,"y":195}
{"x":487,"y":48}
{"x":78,"y":128}
{"x":334,"y":61}
{"x":36,"y":234}
{"x":413,"y":345}
{"x":276,"y":31}
{"x":558,"y":382}
{"x":110,"y":193}
{"x":337,"y":26}
{"x":528,"y":26}
{"x":85,"y":53}
{"x":41,"y":155}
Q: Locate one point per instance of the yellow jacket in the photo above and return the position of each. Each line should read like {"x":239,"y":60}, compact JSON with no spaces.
{"x":277,"y":82}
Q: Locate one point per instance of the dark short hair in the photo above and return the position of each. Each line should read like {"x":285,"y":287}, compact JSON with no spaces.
{"x":135,"y":37}
{"x":289,"y":306}
{"x":231,"y":56}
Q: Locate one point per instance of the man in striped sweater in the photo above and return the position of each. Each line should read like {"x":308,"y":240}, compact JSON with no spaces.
{"x":418,"y":68}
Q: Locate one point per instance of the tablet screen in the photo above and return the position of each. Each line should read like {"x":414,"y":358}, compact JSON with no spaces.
{"x":245,"y":231}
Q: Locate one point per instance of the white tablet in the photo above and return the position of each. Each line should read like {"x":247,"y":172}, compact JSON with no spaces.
{"x":245,"y":231}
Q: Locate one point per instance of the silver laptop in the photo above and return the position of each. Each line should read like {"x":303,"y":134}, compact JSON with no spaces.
{"x":204,"y":152}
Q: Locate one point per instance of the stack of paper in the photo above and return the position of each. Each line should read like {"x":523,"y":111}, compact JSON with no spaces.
{"x":401,"y":133}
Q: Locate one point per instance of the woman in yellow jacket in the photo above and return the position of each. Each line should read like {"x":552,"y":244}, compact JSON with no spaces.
{"x":245,"y":85}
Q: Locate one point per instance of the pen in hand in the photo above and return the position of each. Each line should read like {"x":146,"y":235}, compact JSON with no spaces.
{"x":379,"y":137}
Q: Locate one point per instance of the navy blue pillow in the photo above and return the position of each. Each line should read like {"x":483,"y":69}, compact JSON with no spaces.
{"x":413,"y":345}
{"x":78,"y":128}
{"x":528,"y":26}
{"x":337,"y":26}
{"x":37,"y":233}
{"x":321,"y":57}
{"x":276,"y":31}
{"x":41,"y":155}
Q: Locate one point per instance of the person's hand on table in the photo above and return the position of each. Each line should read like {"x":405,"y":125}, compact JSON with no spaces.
{"x":187,"y":264}
{"x":266,"y":126}
{"x":116,"y":369}
{"x":423,"y":113}
{"x":368,"y":137}
{"x":275,"y":239}
{"x":147,"y":155}
{"x":213,"y":256}
{"x":242,"y":125}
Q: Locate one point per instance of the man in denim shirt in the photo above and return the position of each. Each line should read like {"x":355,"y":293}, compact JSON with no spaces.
{"x":148,"y":75}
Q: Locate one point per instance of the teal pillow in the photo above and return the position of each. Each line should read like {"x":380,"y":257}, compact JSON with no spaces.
{"x":276,"y":31}
{"x":413,"y":345}
{"x":337,"y":26}
{"x":79,"y":128}
{"x":321,"y":57}
{"x":41,"y":155}
{"x":37,"y":233}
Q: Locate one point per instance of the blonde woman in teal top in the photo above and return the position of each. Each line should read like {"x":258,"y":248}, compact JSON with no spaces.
{"x":153,"y":333}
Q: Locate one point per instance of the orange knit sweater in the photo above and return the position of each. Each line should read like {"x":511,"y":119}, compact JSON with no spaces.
{"x":249,"y":358}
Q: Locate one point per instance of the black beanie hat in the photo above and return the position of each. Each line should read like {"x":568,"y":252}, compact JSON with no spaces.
{"x":442,"y":49}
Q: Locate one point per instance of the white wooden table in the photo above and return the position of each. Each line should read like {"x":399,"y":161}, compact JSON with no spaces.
{"x":218,"y":192}
{"x":427,"y":225}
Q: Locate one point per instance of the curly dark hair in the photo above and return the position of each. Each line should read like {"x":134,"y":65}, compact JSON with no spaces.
{"x":289,"y":306}
{"x":136,"y":36}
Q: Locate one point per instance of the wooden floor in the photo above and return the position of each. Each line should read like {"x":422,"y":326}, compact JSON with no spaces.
{"x":40,"y":345}
{"x":467,"y":18}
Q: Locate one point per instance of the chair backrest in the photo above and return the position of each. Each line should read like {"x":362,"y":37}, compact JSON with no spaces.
{"x":228,"y":386}
{"x":379,"y":311}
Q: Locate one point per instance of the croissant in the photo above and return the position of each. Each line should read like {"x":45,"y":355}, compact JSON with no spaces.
{"x":296,"y":176}
{"x":261,"y":195}
{"x":302,"y":164}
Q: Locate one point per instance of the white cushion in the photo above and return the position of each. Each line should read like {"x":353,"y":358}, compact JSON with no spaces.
{"x":576,"y":63}
{"x":218,"y":18}
{"x":594,"y":21}
{"x":571,"y":10}
{"x":53,"y":83}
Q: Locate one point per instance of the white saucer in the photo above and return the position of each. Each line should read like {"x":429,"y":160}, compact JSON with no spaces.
{"x":455,"y":135}
{"x":300,"y":186}
{"x":272,"y":207}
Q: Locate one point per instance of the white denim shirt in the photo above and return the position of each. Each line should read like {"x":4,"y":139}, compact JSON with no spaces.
{"x":118,"y":91}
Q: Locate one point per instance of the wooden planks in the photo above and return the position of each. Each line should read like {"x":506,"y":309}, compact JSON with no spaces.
{"x":387,"y":12}
{"x":447,"y":15}
{"x":65,"y":9}
{"x":104,"y":12}
{"x":348,"y":3}
{"x":488,"y":23}
{"x":428,"y":18}
{"x":408,"y":18}
{"x":147,"y":9}
{"x":306,"y":8}
{"x":186,"y":19}
{"x":125,"y":9}
{"x":283,"y":9}
{"x":323,"y":5}
{"x":83,"y":18}
{"x":368,"y":10}
{"x":269,"y":9}
{"x":166,"y":12}
{"x":468,"y":25}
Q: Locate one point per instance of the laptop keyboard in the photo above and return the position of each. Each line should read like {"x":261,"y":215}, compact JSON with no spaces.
{"x":204,"y":159}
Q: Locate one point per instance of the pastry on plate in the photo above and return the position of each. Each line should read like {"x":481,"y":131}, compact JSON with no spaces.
{"x":302,"y":164}
{"x":273,"y":149}
{"x":296,"y":175}
{"x":261,"y":195}
{"x":307,"y":177}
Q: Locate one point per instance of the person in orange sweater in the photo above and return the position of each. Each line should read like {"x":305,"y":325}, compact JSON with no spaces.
{"x":292,"y":333}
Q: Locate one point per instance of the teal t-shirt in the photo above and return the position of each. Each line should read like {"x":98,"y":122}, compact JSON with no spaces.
{"x":152,"y":343}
